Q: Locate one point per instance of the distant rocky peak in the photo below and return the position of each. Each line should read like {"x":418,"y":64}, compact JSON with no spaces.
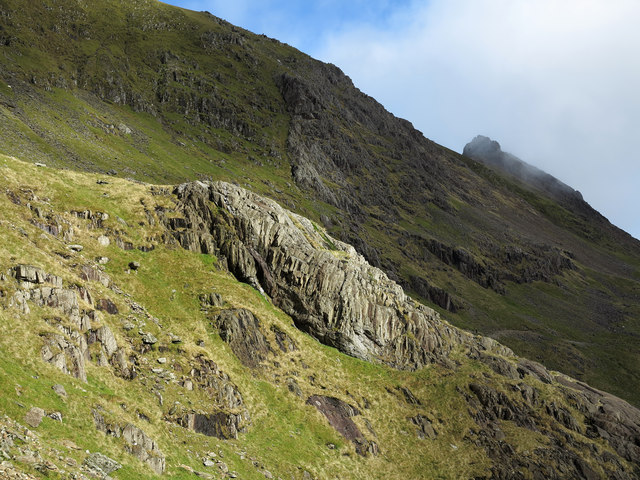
{"x":482,"y":147}
{"x":489,"y":152}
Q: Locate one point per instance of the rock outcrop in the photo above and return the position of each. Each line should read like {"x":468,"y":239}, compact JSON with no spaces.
{"x":332,"y":293}
{"x":330,"y":290}
{"x":241,"y":330}
{"x":137,"y":442}
{"x":338,"y":414}
{"x":220,"y":425}
{"x":490,"y":153}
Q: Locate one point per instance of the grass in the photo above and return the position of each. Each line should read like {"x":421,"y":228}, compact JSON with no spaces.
{"x":285,"y":436}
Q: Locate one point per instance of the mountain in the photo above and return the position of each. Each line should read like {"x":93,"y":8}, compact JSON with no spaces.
{"x":490,"y":153}
{"x":143,"y":91}
{"x":202,"y":330}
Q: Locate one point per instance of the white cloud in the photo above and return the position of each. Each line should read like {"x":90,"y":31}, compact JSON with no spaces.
{"x":555,"y":82}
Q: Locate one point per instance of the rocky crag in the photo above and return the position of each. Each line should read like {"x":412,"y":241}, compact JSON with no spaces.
{"x":332,"y":293}
{"x":329,"y":289}
{"x":490,"y":153}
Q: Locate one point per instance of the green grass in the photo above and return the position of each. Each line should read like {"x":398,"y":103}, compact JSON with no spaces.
{"x":285,"y":435}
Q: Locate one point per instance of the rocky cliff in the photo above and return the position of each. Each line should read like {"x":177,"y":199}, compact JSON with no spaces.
{"x":329,"y":289}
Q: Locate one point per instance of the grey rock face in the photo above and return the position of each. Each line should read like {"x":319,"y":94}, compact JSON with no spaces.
{"x":28,"y":275}
{"x":207,"y":376}
{"x":68,"y":350}
{"x":65,"y":355}
{"x":138,"y":443}
{"x":241,"y":330}
{"x":44,"y":289}
{"x":338,"y":414}
{"x":220,"y":425}
{"x":61,"y":298}
{"x":93,"y":274}
{"x":34,"y":417}
{"x":105,"y":336}
{"x":330,"y":291}
{"x":101,"y":465}
{"x":144,"y":448}
{"x":607,"y":417}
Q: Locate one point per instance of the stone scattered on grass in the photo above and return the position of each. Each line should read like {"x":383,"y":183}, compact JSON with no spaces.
{"x":34,"y":417}
{"x":103,"y":241}
{"x":101,"y":465}
{"x":149,"y":339}
{"x":59,"y":389}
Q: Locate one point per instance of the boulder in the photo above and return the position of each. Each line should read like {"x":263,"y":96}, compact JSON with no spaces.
{"x":149,"y":339}
{"x":103,"y":241}
{"x":60,"y":391}
{"x":34,"y":417}
{"x":101,"y":465}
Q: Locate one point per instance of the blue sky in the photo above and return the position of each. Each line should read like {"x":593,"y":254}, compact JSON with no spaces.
{"x":303,"y":24}
{"x":557,"y":83}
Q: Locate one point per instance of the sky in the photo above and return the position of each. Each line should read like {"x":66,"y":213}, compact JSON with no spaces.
{"x":557,"y":83}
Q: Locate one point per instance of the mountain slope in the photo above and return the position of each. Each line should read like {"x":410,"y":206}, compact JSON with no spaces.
{"x":160,"y":94}
{"x":490,"y":153}
{"x":151,"y":359}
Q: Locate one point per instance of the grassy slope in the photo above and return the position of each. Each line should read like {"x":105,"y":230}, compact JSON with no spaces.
{"x":562,"y":324}
{"x":286,"y":435}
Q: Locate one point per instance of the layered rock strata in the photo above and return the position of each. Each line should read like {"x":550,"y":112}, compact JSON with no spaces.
{"x":329,"y":290}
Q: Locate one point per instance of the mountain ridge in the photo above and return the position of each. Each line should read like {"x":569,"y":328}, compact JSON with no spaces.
{"x":163,"y":95}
